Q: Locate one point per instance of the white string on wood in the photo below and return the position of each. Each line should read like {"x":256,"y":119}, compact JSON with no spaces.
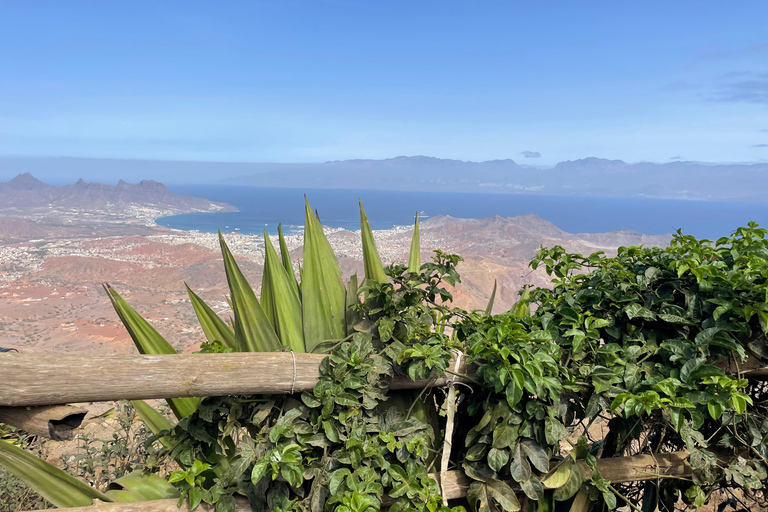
{"x":293,"y":383}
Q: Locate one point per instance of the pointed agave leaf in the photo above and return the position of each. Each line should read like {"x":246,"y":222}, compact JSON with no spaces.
{"x":285,"y":255}
{"x":286,"y":305}
{"x":322,"y":290}
{"x":353,"y":299}
{"x":489,"y":307}
{"x":214,"y":327}
{"x":267,"y":298}
{"x":414,"y":258}
{"x":47,"y":480}
{"x":148,"y":341}
{"x":253,"y":331}
{"x":522,"y":308}
{"x":145,"y":337}
{"x":143,"y":486}
{"x":374,"y":270}
{"x":154,"y":420}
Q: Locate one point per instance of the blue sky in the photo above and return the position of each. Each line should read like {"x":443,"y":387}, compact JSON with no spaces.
{"x":291,"y":81}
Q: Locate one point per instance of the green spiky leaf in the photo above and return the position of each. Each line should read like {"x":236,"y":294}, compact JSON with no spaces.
{"x":374,"y":270}
{"x":322,"y":290}
{"x":414,"y":258}
{"x":286,"y":306}
{"x":153,"y":419}
{"x":47,"y":480}
{"x":285,"y":255}
{"x":143,"y":486}
{"x":253,"y":331}
{"x":148,"y":341}
{"x":214,"y":327}
{"x":353,"y":299}
{"x":522,"y":308}
{"x":489,"y":307}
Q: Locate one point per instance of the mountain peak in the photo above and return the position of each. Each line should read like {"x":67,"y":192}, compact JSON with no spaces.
{"x":26,"y":181}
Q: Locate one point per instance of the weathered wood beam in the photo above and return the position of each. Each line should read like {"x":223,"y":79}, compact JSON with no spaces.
{"x":34,"y":379}
{"x":456,"y":483}
{"x":52,"y":421}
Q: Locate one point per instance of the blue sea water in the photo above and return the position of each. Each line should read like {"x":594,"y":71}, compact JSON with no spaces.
{"x":263,"y":208}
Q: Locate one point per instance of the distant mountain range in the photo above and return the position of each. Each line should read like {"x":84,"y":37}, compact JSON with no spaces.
{"x":585,"y":177}
{"x":27,"y":192}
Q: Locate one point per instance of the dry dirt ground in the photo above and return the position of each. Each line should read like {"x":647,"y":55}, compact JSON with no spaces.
{"x":52,"y":300}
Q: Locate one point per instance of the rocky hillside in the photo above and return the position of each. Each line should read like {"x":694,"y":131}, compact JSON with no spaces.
{"x":26,"y":192}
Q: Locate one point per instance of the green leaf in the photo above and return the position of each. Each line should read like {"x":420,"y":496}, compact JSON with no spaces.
{"x":285,"y":303}
{"x":560,"y":476}
{"x":322,"y":290}
{"x":253,"y":330}
{"x":214,"y":327}
{"x":504,"y":436}
{"x":352,"y":300}
{"x":497,"y":459}
{"x":195,"y":497}
{"x":145,"y":486}
{"x":47,"y":480}
{"x":259,"y":469}
{"x":489,"y":307}
{"x":414,"y":257}
{"x":520,"y":468}
{"x":502,"y":494}
{"x":572,"y":486}
{"x":154,"y":420}
{"x":535,"y":454}
{"x":149,"y":341}
{"x":374,"y":270}
{"x":522,"y":308}
{"x":285,"y":256}
{"x":533,"y":488}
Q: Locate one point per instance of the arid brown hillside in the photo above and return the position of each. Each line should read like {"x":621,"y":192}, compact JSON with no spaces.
{"x":51,"y":298}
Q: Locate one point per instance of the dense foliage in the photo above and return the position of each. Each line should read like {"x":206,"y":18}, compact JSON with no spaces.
{"x":649,"y":343}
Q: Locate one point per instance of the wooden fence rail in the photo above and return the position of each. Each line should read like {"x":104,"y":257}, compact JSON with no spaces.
{"x":32,"y":379}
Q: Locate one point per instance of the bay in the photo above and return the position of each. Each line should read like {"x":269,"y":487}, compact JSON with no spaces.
{"x":262,"y":208}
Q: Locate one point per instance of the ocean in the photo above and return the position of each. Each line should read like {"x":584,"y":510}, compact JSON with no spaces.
{"x":263,"y":208}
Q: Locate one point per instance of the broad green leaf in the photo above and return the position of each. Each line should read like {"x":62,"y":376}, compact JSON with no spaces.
{"x":497,"y":459}
{"x":489,"y":307}
{"x":253,"y":331}
{"x":374,"y":270}
{"x":414,"y":257}
{"x":504,"y":436}
{"x":322,"y":290}
{"x":153,"y":419}
{"x":559,"y":477}
{"x":285,"y":255}
{"x":503,"y":494}
{"x":214,"y":327}
{"x":286,"y":306}
{"x":47,"y":480}
{"x":149,"y":341}
{"x":536,"y":454}
{"x":145,"y":486}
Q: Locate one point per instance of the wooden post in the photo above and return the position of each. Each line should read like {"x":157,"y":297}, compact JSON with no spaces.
{"x":54,"y":422}
{"x":31,"y":380}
